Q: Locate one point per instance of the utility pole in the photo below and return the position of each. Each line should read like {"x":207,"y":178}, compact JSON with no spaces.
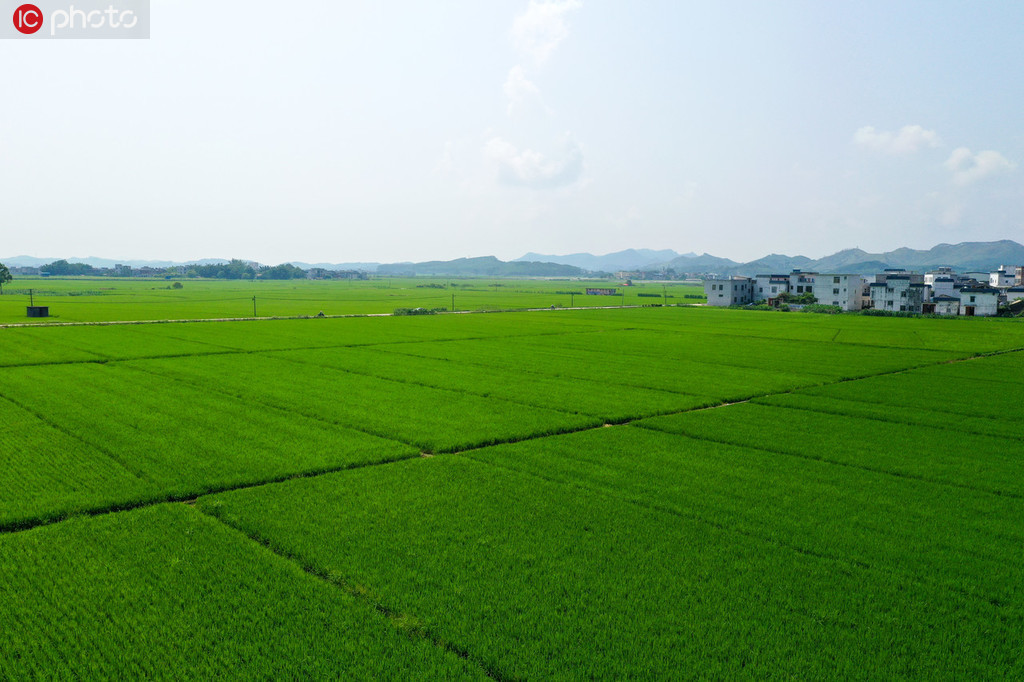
{"x":254,"y":306}
{"x":30,"y":301}
{"x":453,"y":303}
{"x":572,"y":297}
{"x":664,"y":294}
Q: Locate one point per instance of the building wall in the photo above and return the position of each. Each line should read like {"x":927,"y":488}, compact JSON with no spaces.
{"x":726,"y":292}
{"x":768,"y":287}
{"x":897,"y":294}
{"x":1014,"y":293}
{"x":802,"y":283}
{"x":947,"y":307}
{"x":943,"y":286}
{"x":1002,"y":278}
{"x":985,"y":303}
{"x":844,"y":291}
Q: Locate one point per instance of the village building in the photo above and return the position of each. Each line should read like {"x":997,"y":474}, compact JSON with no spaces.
{"x":898,"y":293}
{"x":768,"y":287}
{"x":845,"y":291}
{"x":732,"y":291}
{"x":912,"y":277}
{"x":1003,"y":278}
{"x":979,"y":301}
{"x":944,"y":305}
{"x":937,"y":273}
{"x":942,"y":286}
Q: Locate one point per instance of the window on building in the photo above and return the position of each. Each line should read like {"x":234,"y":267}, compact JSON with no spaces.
{"x":972,"y":299}
{"x":835,"y":280}
{"x":775,"y":290}
{"x":800,"y":289}
{"x":835,"y":292}
{"x":903,"y":308}
{"x":903,"y":294}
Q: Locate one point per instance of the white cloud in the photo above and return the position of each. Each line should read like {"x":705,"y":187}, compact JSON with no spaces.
{"x":968,"y":168}
{"x":521,"y":92}
{"x":529,"y":168}
{"x":539,"y":30}
{"x":908,"y":140}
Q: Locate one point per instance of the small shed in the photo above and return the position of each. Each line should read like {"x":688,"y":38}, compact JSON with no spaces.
{"x":37,"y":310}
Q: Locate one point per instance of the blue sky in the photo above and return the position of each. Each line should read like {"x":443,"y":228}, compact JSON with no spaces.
{"x":387,"y":131}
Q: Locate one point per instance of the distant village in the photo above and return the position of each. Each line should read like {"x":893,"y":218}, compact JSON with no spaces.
{"x":938,"y":292}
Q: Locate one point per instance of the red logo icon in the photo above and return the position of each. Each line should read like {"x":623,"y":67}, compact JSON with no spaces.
{"x":28,"y":19}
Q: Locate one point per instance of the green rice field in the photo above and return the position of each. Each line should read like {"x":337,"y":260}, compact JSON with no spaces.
{"x":91,"y":299}
{"x":631,"y":493}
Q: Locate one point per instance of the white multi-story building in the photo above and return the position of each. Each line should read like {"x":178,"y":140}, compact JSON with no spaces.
{"x":732,"y":291}
{"x":768,"y":287}
{"x":1002,"y":278}
{"x":802,"y":282}
{"x":1014,"y":271}
{"x":898,"y":294}
{"x":845,"y":291}
{"x":979,"y":301}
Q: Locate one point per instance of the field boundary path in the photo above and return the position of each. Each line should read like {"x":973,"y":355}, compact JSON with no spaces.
{"x":105,"y":323}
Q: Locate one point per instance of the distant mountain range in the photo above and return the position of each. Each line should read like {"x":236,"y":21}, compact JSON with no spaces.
{"x":484,"y":266}
{"x":630,"y":259}
{"x":967,"y":256}
{"x":33,"y":262}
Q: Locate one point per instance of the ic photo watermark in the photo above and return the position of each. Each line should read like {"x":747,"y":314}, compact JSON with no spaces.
{"x":81,"y":19}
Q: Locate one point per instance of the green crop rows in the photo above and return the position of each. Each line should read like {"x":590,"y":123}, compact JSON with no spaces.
{"x":633,"y":493}
{"x":80,"y":299}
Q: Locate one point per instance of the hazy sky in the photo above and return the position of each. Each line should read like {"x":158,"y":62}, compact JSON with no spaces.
{"x":385,"y":131}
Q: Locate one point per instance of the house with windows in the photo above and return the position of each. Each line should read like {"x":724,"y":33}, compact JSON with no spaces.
{"x":898,"y":293}
{"x":845,"y":291}
{"x":768,"y":287}
{"x":732,"y":291}
{"x":980,"y":301}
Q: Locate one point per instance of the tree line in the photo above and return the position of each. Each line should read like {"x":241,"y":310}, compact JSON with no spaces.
{"x":233,"y":269}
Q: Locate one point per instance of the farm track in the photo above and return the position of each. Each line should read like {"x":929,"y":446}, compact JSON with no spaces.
{"x":110,"y":323}
{"x":29,"y":524}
